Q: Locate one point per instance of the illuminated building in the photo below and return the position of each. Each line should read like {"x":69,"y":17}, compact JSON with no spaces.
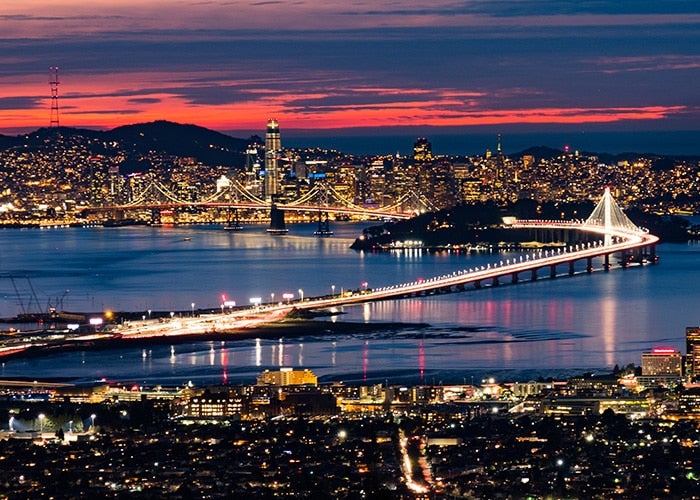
{"x":661,"y":361}
{"x":273,"y":146}
{"x":692,"y":351}
{"x":661,"y":366}
{"x":216,"y":405}
{"x":422,"y":150}
{"x":287,"y":376}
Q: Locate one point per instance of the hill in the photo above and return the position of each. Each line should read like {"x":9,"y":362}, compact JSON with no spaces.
{"x":206,"y":146}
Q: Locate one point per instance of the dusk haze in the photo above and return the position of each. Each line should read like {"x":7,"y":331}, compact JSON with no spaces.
{"x":343,"y":68}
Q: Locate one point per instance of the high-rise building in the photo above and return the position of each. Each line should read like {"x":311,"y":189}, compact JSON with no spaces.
{"x":422,"y":150}
{"x":273,"y":146}
{"x":662,"y":361}
{"x":287,"y":376}
{"x":692,"y":351}
{"x":662,"y":366}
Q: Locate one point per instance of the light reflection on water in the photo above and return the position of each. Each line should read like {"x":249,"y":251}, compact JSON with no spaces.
{"x":543,"y":327}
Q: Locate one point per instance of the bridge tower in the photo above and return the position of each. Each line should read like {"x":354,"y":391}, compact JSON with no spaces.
{"x":608,"y":214}
{"x":53,"y":83}
{"x":324,"y":227}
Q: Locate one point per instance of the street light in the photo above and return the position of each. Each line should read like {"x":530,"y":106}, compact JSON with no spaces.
{"x":301,"y":294}
{"x":149,"y":314}
{"x":272,"y":298}
{"x":332,"y":291}
{"x":287,"y":296}
{"x":41,"y":422}
{"x":193,"y":309}
{"x":92,"y":422}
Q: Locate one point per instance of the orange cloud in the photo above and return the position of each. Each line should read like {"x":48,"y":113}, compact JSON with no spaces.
{"x":110,"y":100}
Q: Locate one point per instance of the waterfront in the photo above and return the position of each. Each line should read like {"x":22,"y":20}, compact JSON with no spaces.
{"x":548,"y":327}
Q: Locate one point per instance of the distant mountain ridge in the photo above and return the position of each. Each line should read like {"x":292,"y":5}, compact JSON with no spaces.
{"x":660,"y":161}
{"x":215,"y":148}
{"x":207,"y":146}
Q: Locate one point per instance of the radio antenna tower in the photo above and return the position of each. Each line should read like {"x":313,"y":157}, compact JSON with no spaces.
{"x":53,"y":82}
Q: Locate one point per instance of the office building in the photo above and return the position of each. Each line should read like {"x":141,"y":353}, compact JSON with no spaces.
{"x":273,"y":147}
{"x":692,"y":351}
{"x":661,"y":361}
{"x":287,"y":376}
{"x":422,"y":151}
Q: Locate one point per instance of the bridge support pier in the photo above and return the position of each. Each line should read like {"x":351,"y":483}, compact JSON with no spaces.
{"x":652,"y":254}
{"x":571,"y":268}
{"x":589,"y":265}
{"x":155,"y":216}
{"x":533,"y":275}
{"x":477,"y":284}
{"x":233,"y":221}
{"x":514,"y":277}
{"x":606,"y":266}
{"x":324,"y":227}
{"x":553,"y":271}
{"x":495,"y":282}
{"x":625,"y":258}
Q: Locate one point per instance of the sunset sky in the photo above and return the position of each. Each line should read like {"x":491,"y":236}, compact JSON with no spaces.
{"x":343,"y":66}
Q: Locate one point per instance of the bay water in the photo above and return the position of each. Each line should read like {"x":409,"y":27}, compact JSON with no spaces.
{"x":545,"y":328}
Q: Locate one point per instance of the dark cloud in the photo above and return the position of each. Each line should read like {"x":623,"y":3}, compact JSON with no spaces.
{"x":21,"y":102}
{"x":145,"y":100}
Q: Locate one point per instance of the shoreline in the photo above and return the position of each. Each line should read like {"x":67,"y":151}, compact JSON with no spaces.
{"x":287,"y":328}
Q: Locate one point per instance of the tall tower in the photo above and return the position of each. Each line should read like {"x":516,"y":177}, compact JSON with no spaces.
{"x":422,"y":151}
{"x":273,"y":146}
{"x":500,"y":161}
{"x":692,"y":352}
{"x":53,"y":82}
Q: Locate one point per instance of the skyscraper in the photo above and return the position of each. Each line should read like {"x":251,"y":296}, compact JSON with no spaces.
{"x":692,"y":351}
{"x":273,"y":146}
{"x":422,"y":151}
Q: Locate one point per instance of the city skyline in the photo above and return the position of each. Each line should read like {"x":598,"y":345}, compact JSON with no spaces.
{"x":343,"y":69}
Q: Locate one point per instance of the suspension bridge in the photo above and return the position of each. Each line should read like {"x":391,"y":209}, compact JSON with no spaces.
{"x":320,"y":200}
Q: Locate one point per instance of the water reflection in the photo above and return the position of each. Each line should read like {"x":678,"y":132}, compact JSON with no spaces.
{"x":581,"y":322}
